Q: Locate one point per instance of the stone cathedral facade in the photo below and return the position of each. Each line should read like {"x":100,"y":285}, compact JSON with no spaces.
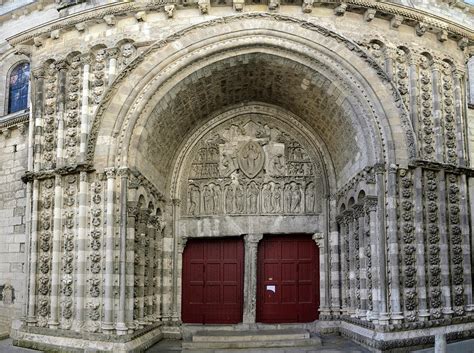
{"x":248,"y":163}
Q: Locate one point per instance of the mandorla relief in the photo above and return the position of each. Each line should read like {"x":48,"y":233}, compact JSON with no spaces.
{"x":248,"y":166}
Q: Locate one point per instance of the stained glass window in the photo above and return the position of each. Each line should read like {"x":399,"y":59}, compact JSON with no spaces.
{"x":18,"y":88}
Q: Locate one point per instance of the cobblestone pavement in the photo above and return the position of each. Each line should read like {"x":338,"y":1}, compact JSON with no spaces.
{"x":331,"y":344}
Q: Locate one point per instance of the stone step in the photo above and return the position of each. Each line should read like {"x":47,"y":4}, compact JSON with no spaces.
{"x":241,"y":336}
{"x":264,"y":339}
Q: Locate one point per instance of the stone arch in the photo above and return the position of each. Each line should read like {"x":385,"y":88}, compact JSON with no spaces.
{"x":120,"y":124}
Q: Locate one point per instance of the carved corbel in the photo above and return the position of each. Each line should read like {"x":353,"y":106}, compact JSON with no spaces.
{"x":110,"y":20}
{"x":23,"y":50}
{"x":273,"y":4}
{"x":396,"y":21}
{"x":38,"y":41}
{"x":319,"y":239}
{"x":169,"y":10}
{"x":140,"y":16}
{"x":462,"y":43}
{"x":55,"y":34}
{"x":443,"y":35}
{"x":369,"y":14}
{"x":307,"y":6}
{"x":182,"y":244}
{"x":238,"y":5}
{"x":341,"y":9}
{"x":420,"y":29}
{"x":203,"y":6}
{"x":80,"y":27}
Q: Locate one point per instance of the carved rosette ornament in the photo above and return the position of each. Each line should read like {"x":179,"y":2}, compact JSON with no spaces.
{"x":49,"y":117}
{"x":456,"y":240}
{"x":408,"y":268}
{"x":70,"y":192}
{"x":45,"y":223}
{"x":426,"y":108}
{"x":431,"y":208}
{"x":73,"y":108}
{"x":98,"y":75}
{"x":249,"y":167}
{"x":401,"y":76}
{"x":94,"y":262}
{"x":449,"y":114}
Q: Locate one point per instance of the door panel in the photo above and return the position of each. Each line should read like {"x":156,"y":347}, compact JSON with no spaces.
{"x":288,"y":279}
{"x":213,"y":281}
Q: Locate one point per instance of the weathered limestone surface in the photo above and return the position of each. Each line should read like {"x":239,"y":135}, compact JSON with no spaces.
{"x":154,"y":123}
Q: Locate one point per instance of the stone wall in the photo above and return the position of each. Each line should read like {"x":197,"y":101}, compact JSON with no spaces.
{"x":13,"y":160}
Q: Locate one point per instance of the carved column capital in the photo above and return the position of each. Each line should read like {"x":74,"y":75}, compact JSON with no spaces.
{"x":123,"y":172}
{"x":252,"y":239}
{"x":110,"y":173}
{"x":38,"y":73}
{"x":379,"y":168}
{"x":176,"y":202}
{"x":61,"y":65}
{"x":370,"y":204}
{"x":132,"y":209}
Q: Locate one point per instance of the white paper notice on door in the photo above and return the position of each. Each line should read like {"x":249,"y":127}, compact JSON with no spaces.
{"x":271,"y":288}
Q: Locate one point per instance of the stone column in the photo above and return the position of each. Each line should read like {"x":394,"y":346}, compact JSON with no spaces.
{"x":159,"y":274}
{"x":250,"y":277}
{"x":459,"y":113}
{"x":132,"y":212}
{"x":112,"y":54}
{"x":359,"y":212}
{"x":371,"y":211}
{"x":31,"y":311}
{"x":467,"y":267}
{"x":84,"y":108}
{"x":60,"y":108}
{"x":121,"y":326}
{"x":320,"y":241}
{"x":381,"y":243}
{"x":334,"y":263}
{"x":53,"y":322}
{"x":143,"y":215}
{"x":413,"y":74}
{"x":174,"y":299}
{"x":423,"y":313}
{"x":152,"y":222}
{"x":352,"y":262}
{"x":343,"y":266}
{"x":393,"y":248}
{"x":81,"y":274}
{"x":107,"y":323}
{"x":181,"y":246}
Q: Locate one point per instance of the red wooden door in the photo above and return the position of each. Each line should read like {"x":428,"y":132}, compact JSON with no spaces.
{"x":213,"y":281}
{"x":288,"y":279}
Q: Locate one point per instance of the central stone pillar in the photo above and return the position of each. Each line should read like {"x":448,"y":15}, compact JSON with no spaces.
{"x":250,"y":277}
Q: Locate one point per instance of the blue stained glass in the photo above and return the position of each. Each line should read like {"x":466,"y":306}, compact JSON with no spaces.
{"x":18,"y":88}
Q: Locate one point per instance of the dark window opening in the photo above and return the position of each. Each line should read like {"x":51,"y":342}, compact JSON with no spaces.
{"x":18,"y":88}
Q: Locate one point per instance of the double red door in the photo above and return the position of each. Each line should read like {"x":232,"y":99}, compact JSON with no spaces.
{"x":213,"y":281}
{"x":288,"y":279}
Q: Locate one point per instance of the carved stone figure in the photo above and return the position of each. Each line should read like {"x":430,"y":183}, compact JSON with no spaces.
{"x":239,"y":199}
{"x":252,"y":197}
{"x":251,"y":159}
{"x":229,"y":199}
{"x":310,"y":198}
{"x":193,"y":199}
{"x":208,"y":200}
{"x":267,"y":198}
{"x":7,"y":294}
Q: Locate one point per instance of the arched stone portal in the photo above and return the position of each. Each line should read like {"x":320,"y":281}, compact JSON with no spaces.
{"x":252,"y":125}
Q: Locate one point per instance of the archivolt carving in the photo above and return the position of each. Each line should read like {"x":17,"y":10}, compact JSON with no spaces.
{"x":247,"y":165}
{"x":307,"y":25}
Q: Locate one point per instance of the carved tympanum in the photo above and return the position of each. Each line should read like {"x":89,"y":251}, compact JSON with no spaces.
{"x":249,"y":165}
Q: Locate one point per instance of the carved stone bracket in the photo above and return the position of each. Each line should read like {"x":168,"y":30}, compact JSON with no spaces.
{"x":319,"y":239}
